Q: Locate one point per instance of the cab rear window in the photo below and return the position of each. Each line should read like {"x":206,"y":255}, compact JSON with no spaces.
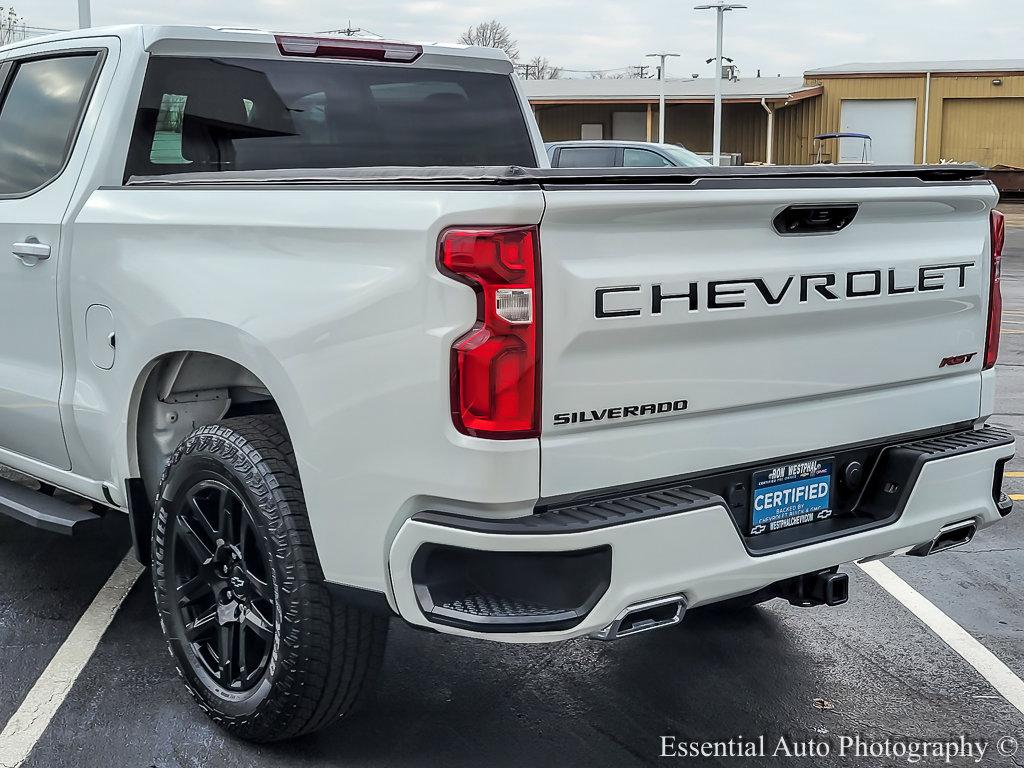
{"x":226,"y":114}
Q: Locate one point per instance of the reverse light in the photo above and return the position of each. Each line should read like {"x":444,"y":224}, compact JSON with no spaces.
{"x":995,"y":294}
{"x":515,"y":305}
{"x":334,"y":48}
{"x":495,"y":367}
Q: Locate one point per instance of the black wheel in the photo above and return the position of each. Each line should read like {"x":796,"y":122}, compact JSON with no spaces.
{"x":259,"y":640}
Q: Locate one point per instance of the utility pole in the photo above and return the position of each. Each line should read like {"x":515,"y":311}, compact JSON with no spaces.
{"x":84,"y":14}
{"x":661,"y":96}
{"x":720,"y":7}
{"x":640,"y":71}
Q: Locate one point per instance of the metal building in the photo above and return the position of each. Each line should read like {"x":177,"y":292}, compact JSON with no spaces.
{"x":966,"y":111}
{"x":922,"y":111}
{"x":628,"y":110}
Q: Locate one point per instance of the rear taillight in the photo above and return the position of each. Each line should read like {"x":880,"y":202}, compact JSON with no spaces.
{"x":333,"y":48}
{"x":995,"y":295}
{"x":495,"y":367}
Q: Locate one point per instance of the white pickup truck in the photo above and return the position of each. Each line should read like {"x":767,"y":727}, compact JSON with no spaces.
{"x":315,"y":314}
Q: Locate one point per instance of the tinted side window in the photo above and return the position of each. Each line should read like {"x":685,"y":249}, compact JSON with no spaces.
{"x":586,"y":157}
{"x":643,"y":158}
{"x":39,"y":118}
{"x":231,"y":114}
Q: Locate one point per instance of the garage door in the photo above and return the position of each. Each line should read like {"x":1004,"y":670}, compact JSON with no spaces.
{"x":985,"y":131}
{"x":891,"y":124}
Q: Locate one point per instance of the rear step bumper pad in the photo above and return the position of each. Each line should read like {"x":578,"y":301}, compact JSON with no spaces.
{"x":681,"y":541}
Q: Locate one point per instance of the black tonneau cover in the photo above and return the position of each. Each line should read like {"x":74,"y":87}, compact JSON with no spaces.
{"x":747,"y":175}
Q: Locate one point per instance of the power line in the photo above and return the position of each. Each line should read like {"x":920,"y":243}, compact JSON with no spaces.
{"x":350,"y":31}
{"x":613,"y":69}
{"x":30,"y":28}
{"x":525,"y":69}
{"x":639,"y":71}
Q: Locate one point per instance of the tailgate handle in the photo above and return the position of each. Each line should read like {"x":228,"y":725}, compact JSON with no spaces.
{"x":815,"y":219}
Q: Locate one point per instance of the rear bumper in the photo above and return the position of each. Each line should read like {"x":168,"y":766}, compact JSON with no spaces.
{"x":570,"y":572}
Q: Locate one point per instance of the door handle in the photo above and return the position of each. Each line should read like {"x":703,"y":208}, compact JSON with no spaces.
{"x":815,"y":219}
{"x":31,"y":252}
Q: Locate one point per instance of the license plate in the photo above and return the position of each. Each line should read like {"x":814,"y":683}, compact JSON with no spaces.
{"x":790,"y":495}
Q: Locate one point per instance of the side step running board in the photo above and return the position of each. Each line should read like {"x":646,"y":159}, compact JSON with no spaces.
{"x":41,"y":511}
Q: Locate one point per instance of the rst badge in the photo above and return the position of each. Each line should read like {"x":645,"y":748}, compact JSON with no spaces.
{"x":956,"y":360}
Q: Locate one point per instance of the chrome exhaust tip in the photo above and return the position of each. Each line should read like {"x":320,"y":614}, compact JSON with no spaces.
{"x":951,"y":536}
{"x":643,"y":617}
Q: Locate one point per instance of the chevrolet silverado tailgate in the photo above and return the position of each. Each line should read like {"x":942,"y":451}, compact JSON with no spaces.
{"x":694,"y":326}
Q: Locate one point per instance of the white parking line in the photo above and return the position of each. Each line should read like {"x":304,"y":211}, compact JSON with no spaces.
{"x":956,"y":637}
{"x":27,"y":725}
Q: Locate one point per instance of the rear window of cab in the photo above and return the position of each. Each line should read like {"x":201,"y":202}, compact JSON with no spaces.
{"x":226,"y":114}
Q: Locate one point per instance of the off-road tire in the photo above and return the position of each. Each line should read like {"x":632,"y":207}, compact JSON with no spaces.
{"x":325,"y":654}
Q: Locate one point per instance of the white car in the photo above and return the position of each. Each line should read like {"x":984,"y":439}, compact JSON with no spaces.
{"x":315,"y":314}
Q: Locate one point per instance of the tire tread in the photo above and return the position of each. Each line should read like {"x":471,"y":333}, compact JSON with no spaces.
{"x":330,"y":651}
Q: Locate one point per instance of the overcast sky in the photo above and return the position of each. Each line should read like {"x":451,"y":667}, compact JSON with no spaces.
{"x":775,"y":36}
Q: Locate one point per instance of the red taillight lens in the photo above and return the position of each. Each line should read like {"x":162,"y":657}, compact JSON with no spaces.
{"x":333,"y":48}
{"x":995,"y":296}
{"x":495,"y":367}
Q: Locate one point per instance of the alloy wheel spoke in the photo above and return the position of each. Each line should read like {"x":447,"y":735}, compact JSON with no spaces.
{"x":260,"y":588}
{"x":204,"y":523}
{"x":201,"y":625}
{"x":186,"y":533}
{"x":225,"y":518}
{"x":244,"y":531}
{"x":225,"y":652}
{"x":192,"y":589}
{"x":242,"y":671}
{"x":255,"y":621}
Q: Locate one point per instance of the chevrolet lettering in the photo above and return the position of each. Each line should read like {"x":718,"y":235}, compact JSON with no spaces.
{"x":631,"y":300}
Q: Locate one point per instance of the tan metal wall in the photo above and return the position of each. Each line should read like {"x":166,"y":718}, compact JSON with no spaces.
{"x":744,"y":125}
{"x":744,"y":128}
{"x":986,"y":131}
{"x":562,"y":122}
{"x":970,"y":119}
{"x":798,"y":124}
{"x":981,"y":118}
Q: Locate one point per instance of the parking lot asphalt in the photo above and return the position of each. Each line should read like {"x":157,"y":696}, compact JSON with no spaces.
{"x":868,"y":667}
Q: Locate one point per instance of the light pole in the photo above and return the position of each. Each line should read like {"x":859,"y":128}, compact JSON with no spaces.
{"x":84,"y":14}
{"x":661,"y":97}
{"x":721,"y":8}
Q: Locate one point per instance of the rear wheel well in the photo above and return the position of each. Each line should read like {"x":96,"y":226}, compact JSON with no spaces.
{"x":183,"y":391}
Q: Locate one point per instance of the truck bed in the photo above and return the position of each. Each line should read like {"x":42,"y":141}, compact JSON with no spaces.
{"x":703,"y":177}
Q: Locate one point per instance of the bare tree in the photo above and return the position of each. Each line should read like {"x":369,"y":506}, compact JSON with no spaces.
{"x":492,"y":34}
{"x":542,"y":69}
{"x":9,"y":22}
